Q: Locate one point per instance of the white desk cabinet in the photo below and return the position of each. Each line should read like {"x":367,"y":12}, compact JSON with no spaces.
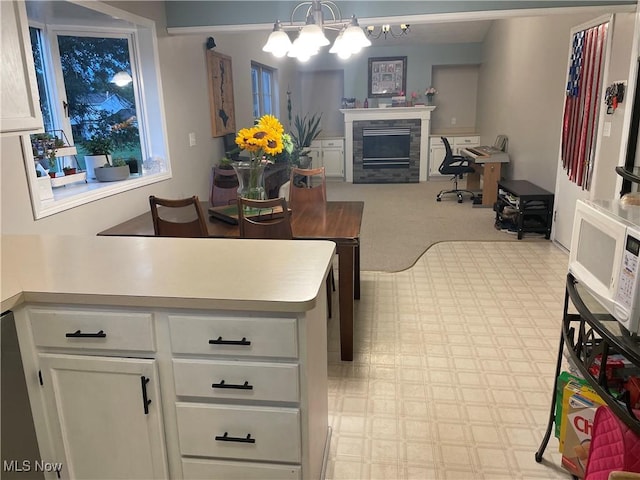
{"x":18,"y":88}
{"x":437,"y":151}
{"x":328,"y":153}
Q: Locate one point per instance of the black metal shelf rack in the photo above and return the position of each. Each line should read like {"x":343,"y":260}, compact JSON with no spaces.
{"x":592,"y":333}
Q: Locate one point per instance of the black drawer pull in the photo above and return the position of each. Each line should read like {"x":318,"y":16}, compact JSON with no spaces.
{"x":244,"y":386}
{"x":145,"y":399}
{"x":220,"y":341}
{"x":227,"y":438}
{"x":79,"y":334}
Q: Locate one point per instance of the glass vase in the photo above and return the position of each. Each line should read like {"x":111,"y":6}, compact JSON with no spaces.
{"x":250,"y":179}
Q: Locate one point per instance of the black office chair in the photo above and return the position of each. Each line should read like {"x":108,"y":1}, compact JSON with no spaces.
{"x":455,"y":165}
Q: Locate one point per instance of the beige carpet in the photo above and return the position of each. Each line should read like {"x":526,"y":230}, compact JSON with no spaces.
{"x":401,"y":221}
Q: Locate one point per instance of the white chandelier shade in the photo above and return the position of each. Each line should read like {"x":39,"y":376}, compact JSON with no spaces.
{"x":278,"y":42}
{"x":311,"y":37}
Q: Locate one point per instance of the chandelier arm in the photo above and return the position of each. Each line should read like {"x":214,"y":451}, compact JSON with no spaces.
{"x":293,"y":12}
{"x":387,"y":31}
{"x":331,"y":6}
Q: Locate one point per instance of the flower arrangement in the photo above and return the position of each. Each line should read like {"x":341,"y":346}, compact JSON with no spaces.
{"x":430,"y":92}
{"x":264,"y":141}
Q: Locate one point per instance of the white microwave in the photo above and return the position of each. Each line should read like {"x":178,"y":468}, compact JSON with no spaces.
{"x":604,"y":257}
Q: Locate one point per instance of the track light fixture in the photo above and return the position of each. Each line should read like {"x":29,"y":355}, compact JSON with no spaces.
{"x":387,"y":30}
{"x":351,"y":38}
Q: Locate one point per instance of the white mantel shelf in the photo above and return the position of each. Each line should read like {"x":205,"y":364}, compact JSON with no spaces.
{"x":392,"y":113}
{"x":351,"y":114}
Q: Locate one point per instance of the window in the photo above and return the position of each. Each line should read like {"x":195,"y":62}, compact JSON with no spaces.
{"x":263,"y":88}
{"x":76,"y":67}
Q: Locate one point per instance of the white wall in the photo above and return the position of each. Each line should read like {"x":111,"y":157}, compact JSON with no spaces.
{"x":605,"y":177}
{"x":521,"y":93}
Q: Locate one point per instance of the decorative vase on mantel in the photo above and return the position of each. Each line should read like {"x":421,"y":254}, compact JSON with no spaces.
{"x":429,"y":99}
{"x":250,"y":179}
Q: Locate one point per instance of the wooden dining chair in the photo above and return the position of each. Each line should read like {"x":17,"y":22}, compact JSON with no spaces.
{"x":271,"y":219}
{"x":268,"y":219}
{"x":307,"y":185}
{"x":178,"y":218}
{"x":224,"y":187}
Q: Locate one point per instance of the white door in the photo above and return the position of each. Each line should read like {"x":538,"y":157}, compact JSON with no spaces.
{"x":99,"y":423}
{"x":567,"y":193}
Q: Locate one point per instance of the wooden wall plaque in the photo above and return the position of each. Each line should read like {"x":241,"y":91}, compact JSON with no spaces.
{"x":220,"y":80}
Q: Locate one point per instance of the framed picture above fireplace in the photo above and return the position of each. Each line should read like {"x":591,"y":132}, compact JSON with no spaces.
{"x":387,"y":76}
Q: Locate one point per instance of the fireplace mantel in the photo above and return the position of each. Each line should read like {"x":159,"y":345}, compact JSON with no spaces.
{"x":393,"y":113}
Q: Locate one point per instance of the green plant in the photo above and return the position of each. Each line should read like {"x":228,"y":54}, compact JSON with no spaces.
{"x":307,"y":129}
{"x":225,"y":163}
{"x":98,"y":145}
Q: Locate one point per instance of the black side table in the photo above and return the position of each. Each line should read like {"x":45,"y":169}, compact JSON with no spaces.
{"x":533,"y":203}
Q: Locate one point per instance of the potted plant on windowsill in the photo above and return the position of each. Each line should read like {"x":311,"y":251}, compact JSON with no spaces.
{"x":99,"y":148}
{"x":112,"y":172}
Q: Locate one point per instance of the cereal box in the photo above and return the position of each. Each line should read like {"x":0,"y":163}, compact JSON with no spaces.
{"x":579,"y":428}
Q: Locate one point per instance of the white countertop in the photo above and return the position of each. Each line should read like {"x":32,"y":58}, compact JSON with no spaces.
{"x":267,"y":275}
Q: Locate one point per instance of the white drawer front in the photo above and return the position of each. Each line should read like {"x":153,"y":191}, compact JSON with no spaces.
{"x":237,"y":380}
{"x":461,"y":141}
{"x":268,"y":337}
{"x":195,"y":469}
{"x":274,"y":432}
{"x":101,"y":330}
{"x":335,"y":143}
{"x":437,"y":141}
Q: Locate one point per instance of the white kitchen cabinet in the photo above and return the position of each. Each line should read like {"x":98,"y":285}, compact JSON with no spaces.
{"x":19,"y":96}
{"x":328,"y":153}
{"x":251,"y":396}
{"x":437,"y":150}
{"x":129,"y":393}
{"x":99,"y":398}
{"x":105,"y":416}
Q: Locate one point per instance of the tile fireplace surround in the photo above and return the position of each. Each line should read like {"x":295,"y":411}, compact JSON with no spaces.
{"x":393,"y":116}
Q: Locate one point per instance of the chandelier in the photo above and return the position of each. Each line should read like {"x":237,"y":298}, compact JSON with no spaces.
{"x":350,"y":40}
{"x":387,"y":30}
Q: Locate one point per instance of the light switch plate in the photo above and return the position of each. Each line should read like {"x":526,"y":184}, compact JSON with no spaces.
{"x":606,"y":129}
{"x":192,"y":139}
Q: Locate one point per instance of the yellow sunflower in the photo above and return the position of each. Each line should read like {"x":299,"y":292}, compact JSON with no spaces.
{"x":264,"y":137}
{"x":271,"y":122}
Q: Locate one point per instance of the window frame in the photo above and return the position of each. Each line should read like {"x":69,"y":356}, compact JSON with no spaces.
{"x":142,"y":39}
{"x":273,"y":93}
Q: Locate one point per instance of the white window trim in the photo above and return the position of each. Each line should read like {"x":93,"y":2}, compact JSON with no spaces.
{"x":274,"y":88}
{"x":152,"y":117}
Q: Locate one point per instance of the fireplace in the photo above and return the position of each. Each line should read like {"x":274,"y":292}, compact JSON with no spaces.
{"x":386,"y":151}
{"x":380,"y":156}
{"x":386,"y":147}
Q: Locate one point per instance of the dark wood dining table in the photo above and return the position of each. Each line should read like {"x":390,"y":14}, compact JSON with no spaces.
{"x":335,"y":221}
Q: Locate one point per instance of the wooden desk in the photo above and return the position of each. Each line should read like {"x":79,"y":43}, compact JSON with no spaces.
{"x":490,"y":172}
{"x":336,"y":221}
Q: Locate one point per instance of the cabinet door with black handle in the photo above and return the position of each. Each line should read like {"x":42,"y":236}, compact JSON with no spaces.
{"x":105,"y":416}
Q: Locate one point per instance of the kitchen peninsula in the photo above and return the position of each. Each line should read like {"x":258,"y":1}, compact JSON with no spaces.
{"x":173,"y":358}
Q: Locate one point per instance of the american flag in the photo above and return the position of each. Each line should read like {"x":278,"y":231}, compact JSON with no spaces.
{"x":584,"y":86}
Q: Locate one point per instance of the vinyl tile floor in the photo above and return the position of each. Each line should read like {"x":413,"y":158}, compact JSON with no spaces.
{"x":454,"y":363}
